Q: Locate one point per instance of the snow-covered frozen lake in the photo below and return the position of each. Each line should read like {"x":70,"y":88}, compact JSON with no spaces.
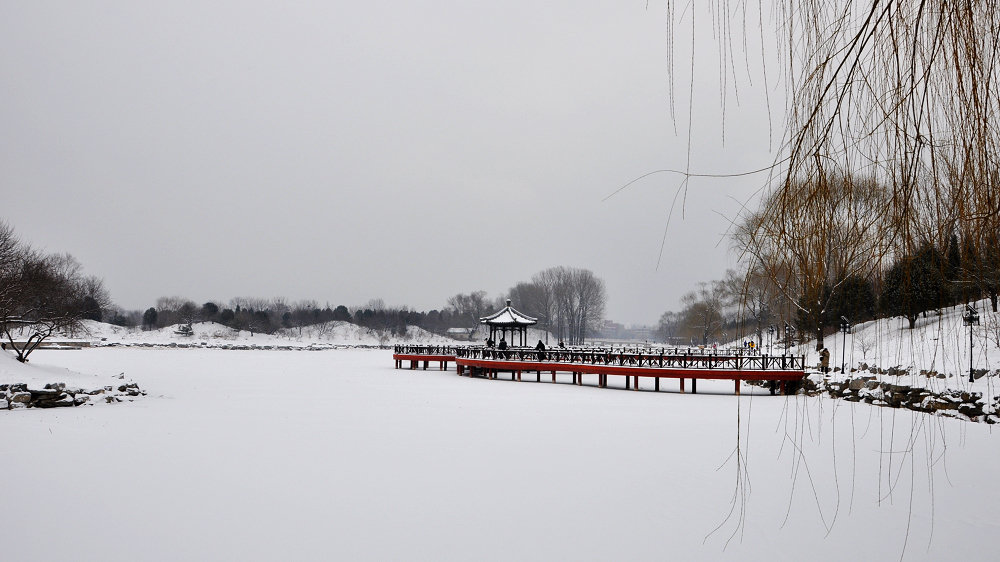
{"x":265,"y":455}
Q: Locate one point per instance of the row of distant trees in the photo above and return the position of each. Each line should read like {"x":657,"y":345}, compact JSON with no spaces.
{"x":568,"y":302}
{"x":745,"y":305}
{"x":259,"y":315}
{"x":42,"y":294}
{"x":834,"y":237}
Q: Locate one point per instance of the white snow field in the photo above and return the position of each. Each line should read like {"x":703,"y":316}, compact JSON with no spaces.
{"x":335,"y":455}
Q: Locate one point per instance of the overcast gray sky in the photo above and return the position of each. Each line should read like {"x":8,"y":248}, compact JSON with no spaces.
{"x":344,"y":151}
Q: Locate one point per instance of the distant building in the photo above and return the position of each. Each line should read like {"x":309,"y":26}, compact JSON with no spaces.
{"x":458,"y":333}
{"x":611,"y":330}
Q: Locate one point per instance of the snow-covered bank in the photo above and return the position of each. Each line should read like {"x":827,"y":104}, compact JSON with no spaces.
{"x":925,"y":369}
{"x":283,"y":455}
{"x":934,"y":355}
{"x":330,"y":335}
{"x":31,"y":385}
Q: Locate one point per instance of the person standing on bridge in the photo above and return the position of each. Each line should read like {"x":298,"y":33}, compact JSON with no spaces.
{"x":540,"y":348}
{"x":503,"y":344}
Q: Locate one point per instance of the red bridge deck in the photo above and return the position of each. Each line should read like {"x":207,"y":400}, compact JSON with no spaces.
{"x":696,"y":367}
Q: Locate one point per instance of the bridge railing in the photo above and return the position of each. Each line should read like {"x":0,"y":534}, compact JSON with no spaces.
{"x":406,"y":349}
{"x":638,"y":357}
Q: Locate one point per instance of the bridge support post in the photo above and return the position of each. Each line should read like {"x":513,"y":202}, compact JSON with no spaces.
{"x":682,"y":385}
{"x":538,"y":376}
{"x":694,"y":386}
{"x":737,"y":387}
{"x":553,"y":377}
{"x":656,"y":385}
{"x":628,"y":382}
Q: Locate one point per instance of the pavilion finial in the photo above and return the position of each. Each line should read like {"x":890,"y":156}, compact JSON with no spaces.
{"x":508,"y":302}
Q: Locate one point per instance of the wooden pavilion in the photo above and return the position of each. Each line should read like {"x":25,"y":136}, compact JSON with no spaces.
{"x":509,"y":320}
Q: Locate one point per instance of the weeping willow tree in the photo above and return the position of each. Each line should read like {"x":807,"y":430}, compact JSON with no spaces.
{"x":812,"y":238}
{"x":890,"y":146}
{"x":902,"y":93}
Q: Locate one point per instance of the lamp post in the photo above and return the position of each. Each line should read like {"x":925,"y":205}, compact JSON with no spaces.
{"x":970,"y":319}
{"x":770,"y":338}
{"x":845,"y":326}
{"x":789,"y":332}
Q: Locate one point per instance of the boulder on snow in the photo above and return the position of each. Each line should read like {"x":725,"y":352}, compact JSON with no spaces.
{"x":970,"y":409}
{"x":44,"y":394}
{"x":62,"y":401}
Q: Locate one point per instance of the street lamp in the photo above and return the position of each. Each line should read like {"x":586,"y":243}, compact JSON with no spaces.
{"x":789,"y":332}
{"x":845,"y":326}
{"x":970,"y":319}
{"x":770,"y":338}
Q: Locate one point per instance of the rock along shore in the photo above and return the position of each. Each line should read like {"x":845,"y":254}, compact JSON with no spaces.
{"x":58,"y":395}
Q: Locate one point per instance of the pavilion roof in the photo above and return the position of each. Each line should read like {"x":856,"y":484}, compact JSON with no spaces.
{"x":507,"y":316}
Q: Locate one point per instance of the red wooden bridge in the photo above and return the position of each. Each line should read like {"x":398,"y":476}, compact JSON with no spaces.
{"x":677,"y":363}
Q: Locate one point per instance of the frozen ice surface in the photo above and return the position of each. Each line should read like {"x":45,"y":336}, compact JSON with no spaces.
{"x":334,"y":455}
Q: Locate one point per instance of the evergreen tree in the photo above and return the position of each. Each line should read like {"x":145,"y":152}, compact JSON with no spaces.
{"x":149,"y":318}
{"x":915,"y":284}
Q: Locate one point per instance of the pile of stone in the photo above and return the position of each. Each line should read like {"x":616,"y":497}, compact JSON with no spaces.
{"x":57,"y":395}
{"x":971,"y":406}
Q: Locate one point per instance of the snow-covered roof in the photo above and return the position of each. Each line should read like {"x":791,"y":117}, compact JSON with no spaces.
{"x":507,"y":316}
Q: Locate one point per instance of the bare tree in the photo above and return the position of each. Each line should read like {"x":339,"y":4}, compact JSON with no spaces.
{"x":668,"y":328}
{"x":544,"y":301}
{"x":468,"y":309}
{"x":703,"y":310}
{"x":591,"y":298}
{"x":40,"y":295}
